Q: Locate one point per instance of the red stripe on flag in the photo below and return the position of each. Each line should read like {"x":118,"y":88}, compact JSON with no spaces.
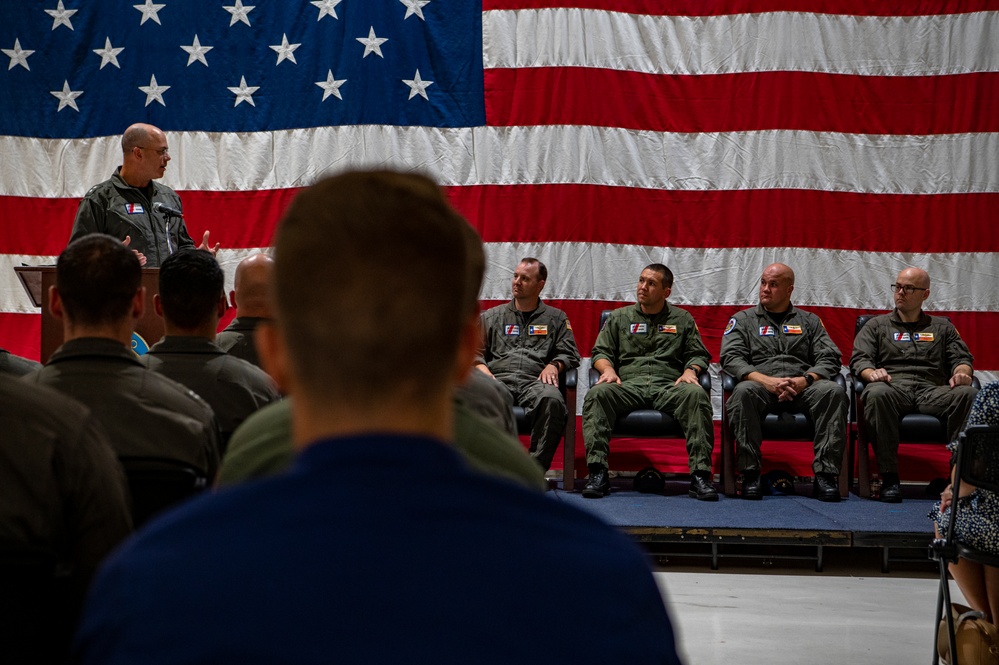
{"x":740,"y":218}
{"x":595,"y":213}
{"x":743,"y":102}
{"x":725,"y":7}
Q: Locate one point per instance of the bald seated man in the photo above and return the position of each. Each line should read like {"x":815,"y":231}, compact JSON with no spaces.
{"x":912,"y":363}
{"x":251,"y":298}
{"x":145,"y":215}
{"x":781,"y":354}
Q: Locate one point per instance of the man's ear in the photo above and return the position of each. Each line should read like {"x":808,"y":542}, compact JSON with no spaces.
{"x":158,"y":305}
{"x":232,"y":299}
{"x":273,"y":354}
{"x":139,"y":303}
{"x":222,"y":307}
{"x":55,"y":303}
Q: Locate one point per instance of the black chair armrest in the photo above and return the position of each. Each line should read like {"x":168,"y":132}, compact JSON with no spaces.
{"x":568,"y":378}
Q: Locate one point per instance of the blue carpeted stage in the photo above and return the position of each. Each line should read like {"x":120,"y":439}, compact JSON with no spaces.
{"x":673,"y":523}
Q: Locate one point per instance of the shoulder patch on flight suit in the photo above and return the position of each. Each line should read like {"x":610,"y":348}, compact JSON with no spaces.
{"x":568,"y":326}
{"x":901,"y":337}
{"x":537,"y":329}
{"x":667,"y":328}
{"x":767,"y":331}
{"x":922,"y":337}
{"x":639,"y":328}
{"x":512,"y":329}
{"x":792,"y":330}
{"x":730,"y":327}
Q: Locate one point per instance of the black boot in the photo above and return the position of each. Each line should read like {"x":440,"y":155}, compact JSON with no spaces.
{"x":891,"y":489}
{"x":701,"y":487}
{"x":751,"y":486}
{"x":825,"y":488}
{"x":598,"y":484}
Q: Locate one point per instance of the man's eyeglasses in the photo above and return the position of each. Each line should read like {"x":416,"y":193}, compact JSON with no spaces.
{"x":906,"y":289}
{"x":162,"y":152}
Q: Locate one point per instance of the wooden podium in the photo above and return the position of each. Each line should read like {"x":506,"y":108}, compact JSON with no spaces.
{"x":36,"y":281}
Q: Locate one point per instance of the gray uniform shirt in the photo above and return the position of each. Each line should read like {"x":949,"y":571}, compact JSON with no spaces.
{"x":522,"y":343}
{"x":233,"y":388}
{"x":144,"y":413}
{"x":798,"y":345}
{"x":116,"y":208}
{"x":926,"y":351}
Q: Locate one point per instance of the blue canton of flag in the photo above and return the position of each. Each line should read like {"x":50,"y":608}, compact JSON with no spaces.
{"x":81,"y":69}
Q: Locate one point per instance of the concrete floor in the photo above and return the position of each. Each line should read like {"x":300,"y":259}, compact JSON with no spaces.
{"x":752,"y":618}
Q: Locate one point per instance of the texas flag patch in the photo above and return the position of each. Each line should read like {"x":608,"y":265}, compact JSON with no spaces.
{"x":767,"y":331}
{"x":513,"y":329}
{"x":537,"y":330}
{"x":922,"y":337}
{"x":639,"y":328}
{"x":134,"y":208}
{"x":901,"y":337}
{"x":792,"y":330}
{"x":666,"y":328}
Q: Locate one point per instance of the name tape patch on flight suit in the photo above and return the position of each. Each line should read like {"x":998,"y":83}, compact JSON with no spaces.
{"x":792,"y":330}
{"x":537,"y":330}
{"x":767,"y":331}
{"x":901,"y":337}
{"x":134,"y":208}
{"x":639,"y":328}
{"x":667,"y":328}
{"x":511,"y":329}
{"x":922,"y":337}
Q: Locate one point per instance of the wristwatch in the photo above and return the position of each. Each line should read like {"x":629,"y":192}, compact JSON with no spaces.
{"x":809,"y":380}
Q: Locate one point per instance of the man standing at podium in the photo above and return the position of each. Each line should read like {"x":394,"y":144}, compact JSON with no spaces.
{"x":145,"y":215}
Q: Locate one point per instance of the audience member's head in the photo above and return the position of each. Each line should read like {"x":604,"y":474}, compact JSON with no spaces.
{"x":192,"y":291}
{"x":252,"y":286}
{"x":98,"y":283}
{"x":372,"y":294}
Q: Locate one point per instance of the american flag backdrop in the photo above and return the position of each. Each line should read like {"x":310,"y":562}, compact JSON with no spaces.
{"x":847,"y":138}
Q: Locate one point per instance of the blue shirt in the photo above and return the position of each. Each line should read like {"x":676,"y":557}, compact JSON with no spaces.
{"x":375,"y":549}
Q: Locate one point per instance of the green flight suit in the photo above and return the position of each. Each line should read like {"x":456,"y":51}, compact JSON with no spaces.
{"x":649,"y":353}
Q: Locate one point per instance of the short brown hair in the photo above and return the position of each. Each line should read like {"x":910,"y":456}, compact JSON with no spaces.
{"x":370,"y":286}
{"x":666,"y":273}
{"x":97,"y":277}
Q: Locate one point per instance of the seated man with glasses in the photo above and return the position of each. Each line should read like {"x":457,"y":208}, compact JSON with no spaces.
{"x":145,"y":215}
{"x":913,"y":362}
